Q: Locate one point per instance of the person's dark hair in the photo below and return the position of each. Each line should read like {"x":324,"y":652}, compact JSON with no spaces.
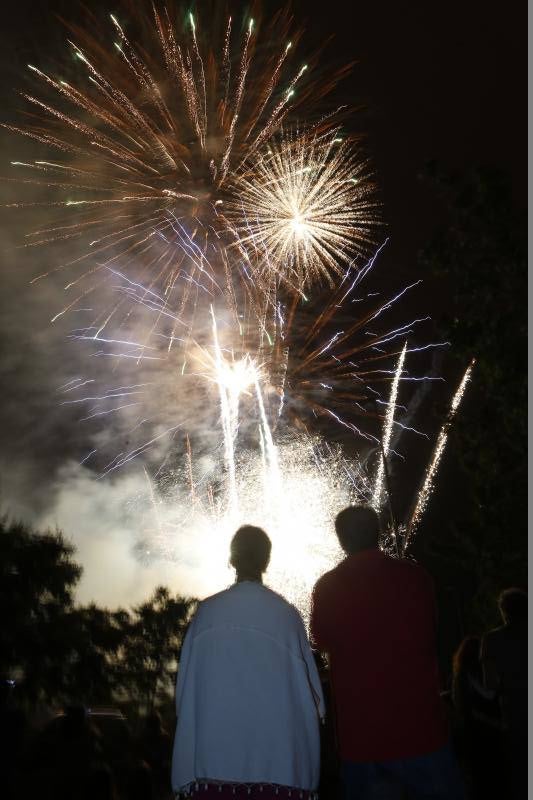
{"x":250,"y":551}
{"x":357,"y":528}
{"x":513,"y":605}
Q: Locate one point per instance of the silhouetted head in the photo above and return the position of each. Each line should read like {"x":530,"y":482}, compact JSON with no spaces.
{"x":357,"y":529}
{"x":513,"y":605}
{"x":250,"y":553}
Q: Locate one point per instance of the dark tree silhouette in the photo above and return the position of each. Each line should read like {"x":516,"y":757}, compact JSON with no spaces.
{"x":480,"y":255}
{"x":38,"y":576}
{"x":63,"y":653}
{"x":152,"y":645}
{"x":96,"y":636}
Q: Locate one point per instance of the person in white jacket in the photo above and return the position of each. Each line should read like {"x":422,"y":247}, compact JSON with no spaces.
{"x":248,"y":694}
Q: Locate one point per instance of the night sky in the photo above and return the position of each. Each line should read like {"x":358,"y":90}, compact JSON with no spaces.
{"x":435,"y":82}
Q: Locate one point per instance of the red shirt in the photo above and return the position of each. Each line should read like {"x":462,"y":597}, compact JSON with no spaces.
{"x":375,"y":617}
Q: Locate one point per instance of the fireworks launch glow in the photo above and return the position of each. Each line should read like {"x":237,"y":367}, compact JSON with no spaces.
{"x":316,"y":480}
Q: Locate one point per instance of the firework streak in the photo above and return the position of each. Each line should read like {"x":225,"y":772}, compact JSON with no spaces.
{"x":429,"y":478}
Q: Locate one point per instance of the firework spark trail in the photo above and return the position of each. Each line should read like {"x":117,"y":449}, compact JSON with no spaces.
{"x":431,"y":471}
{"x":319,"y":356}
{"x":226,"y":419}
{"x":272,"y":476}
{"x":387,"y":432}
{"x":138,"y":451}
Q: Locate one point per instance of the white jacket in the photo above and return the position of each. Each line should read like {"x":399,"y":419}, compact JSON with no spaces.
{"x":248,"y":695}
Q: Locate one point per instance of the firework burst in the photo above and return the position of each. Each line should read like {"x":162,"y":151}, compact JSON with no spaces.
{"x":304,"y":209}
{"x":147,"y":146}
{"x":185,"y":190}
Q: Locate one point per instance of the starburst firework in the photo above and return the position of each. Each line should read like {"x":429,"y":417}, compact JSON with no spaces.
{"x":304,"y":208}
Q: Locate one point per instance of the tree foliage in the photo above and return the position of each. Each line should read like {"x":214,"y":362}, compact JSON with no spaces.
{"x":38,"y":577}
{"x":481,"y":252}
{"x":152,"y":645}
{"x":64,"y":653}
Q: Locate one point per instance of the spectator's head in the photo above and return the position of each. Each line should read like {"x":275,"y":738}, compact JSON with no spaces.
{"x":513,"y":606}
{"x":357,"y":528}
{"x":250,"y":552}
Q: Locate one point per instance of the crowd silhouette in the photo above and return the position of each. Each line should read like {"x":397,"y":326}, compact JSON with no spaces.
{"x":355,"y":712}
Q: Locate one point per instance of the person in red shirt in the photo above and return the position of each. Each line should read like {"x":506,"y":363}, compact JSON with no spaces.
{"x":374,"y":617}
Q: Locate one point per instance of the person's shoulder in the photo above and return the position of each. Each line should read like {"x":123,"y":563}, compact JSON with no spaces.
{"x":411,"y":571}
{"x":410,"y":567}
{"x":277,"y":600}
{"x":495,"y":635}
{"x":248,"y":592}
{"x":212,"y":602}
{"x":492,"y":642}
{"x":328,"y":579}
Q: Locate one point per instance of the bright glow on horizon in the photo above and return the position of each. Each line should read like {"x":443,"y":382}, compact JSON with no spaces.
{"x":296,"y":507}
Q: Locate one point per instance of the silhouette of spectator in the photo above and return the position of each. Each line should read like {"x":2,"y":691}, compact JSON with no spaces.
{"x":65,"y":755}
{"x":140,"y":784}
{"x":375,"y":618}
{"x":116,"y":744}
{"x":100,"y":783}
{"x":13,"y":735}
{"x":155,"y":746}
{"x":504,"y":659}
{"x":248,"y":693}
{"x":478,"y":722}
